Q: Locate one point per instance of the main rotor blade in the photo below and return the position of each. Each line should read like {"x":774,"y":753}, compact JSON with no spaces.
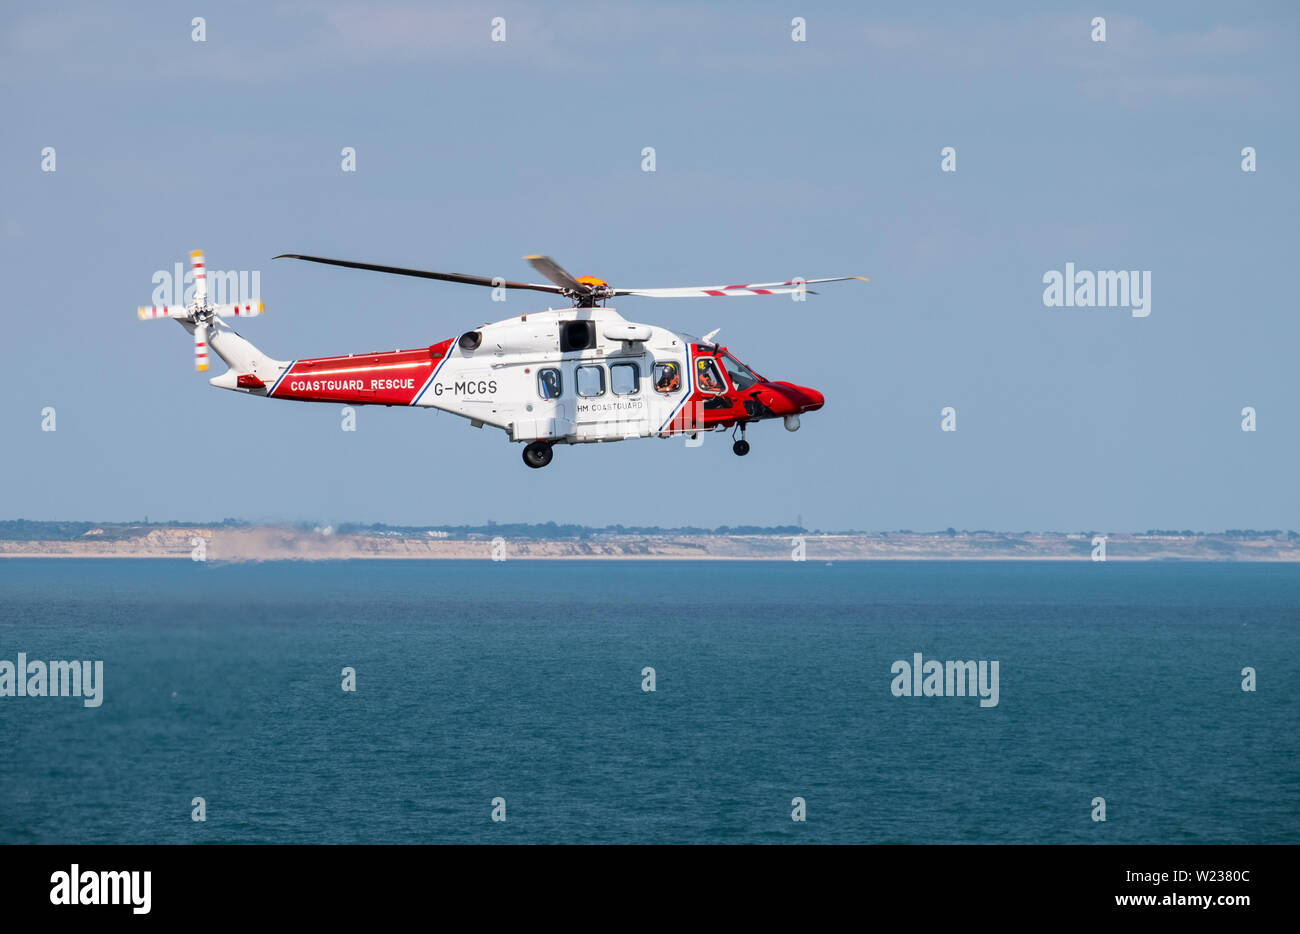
{"x":551,"y":270}
{"x":425,"y":274}
{"x":722,"y":291}
{"x":709,"y":292}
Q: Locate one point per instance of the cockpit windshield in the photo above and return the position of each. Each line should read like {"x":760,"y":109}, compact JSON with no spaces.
{"x":742,"y":377}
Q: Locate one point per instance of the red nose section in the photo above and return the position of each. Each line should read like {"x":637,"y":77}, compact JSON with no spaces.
{"x":795,"y":399}
{"x":814,"y":400}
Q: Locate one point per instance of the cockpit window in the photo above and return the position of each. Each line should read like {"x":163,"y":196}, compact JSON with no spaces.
{"x":707,"y":375}
{"x":742,"y":377}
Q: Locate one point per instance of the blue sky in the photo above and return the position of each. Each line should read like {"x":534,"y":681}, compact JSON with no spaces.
{"x":774,"y":158}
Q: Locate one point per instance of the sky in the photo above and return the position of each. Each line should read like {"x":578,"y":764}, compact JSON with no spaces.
{"x":774,"y":158}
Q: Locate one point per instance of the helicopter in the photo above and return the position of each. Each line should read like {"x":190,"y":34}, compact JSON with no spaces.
{"x":575,"y":375}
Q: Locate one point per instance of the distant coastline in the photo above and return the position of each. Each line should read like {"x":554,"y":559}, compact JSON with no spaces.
{"x":231,"y":541}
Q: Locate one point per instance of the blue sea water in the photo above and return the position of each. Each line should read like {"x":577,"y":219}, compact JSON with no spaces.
{"x":523,"y":680}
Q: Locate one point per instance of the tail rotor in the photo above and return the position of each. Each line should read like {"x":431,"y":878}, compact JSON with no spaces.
{"x":200,"y":316}
{"x":200,"y":347}
{"x":200,"y":277}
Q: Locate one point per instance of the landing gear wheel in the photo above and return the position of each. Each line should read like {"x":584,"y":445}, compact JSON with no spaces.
{"x":538,"y":454}
{"x":741,"y":447}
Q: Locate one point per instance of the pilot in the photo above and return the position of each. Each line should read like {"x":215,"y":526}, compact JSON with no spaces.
{"x":705,"y":373}
{"x":669,"y":381}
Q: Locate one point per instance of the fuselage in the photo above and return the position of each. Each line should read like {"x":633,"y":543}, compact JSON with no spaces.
{"x":565,"y":376}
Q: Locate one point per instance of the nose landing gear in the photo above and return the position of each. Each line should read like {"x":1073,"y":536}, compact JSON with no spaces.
{"x":741,"y":447}
{"x":538,"y":454}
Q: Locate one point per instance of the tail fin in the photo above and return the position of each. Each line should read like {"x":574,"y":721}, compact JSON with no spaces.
{"x":242,"y":357}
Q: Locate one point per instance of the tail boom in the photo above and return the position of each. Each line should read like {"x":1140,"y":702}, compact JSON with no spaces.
{"x":397,"y":377}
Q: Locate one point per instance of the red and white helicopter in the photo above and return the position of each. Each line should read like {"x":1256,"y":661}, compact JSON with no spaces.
{"x":560,"y":376}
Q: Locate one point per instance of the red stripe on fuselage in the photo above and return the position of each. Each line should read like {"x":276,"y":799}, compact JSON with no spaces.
{"x":389,"y":378}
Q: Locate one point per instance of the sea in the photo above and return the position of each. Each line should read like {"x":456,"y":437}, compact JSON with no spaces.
{"x":511,"y":702}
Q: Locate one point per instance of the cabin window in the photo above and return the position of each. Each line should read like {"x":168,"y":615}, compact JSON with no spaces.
{"x":707,"y":375}
{"x":668,"y":377}
{"x":550,"y":385}
{"x":591,"y":381}
{"x":625,"y":379}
